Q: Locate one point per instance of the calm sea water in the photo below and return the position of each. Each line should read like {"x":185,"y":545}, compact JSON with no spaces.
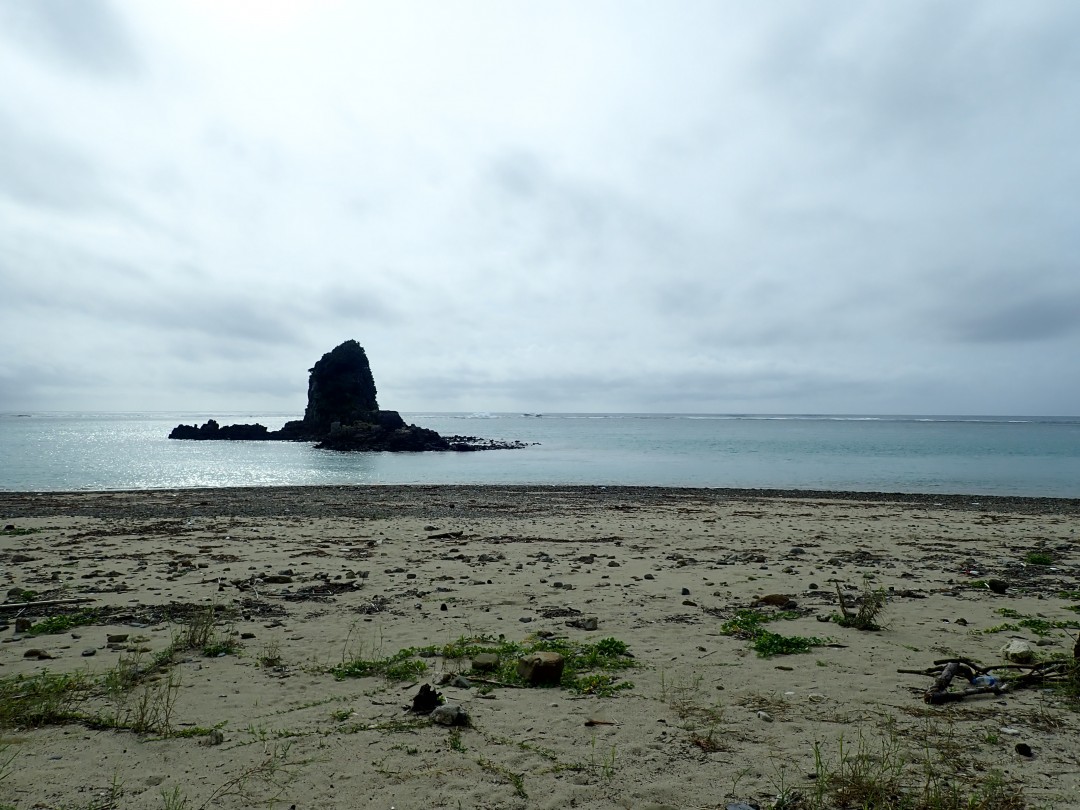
{"x":965,"y":455}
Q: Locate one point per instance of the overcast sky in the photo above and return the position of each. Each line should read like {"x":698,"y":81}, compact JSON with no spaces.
{"x":542,"y":206}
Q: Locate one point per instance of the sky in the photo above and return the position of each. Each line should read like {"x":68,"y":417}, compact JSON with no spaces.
{"x":514,"y":205}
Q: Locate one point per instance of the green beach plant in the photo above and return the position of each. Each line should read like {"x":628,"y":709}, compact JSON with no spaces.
{"x":62,"y":623}
{"x":589,"y":668}
{"x":747,"y":624}
{"x":1038,"y":558}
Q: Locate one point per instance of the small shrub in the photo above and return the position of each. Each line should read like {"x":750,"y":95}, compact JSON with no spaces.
{"x":871,"y":604}
{"x":1038,"y":558}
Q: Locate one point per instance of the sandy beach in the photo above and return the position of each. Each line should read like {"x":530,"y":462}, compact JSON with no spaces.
{"x":299,"y":581}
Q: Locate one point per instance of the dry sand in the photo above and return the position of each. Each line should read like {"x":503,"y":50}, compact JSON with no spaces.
{"x":707,"y":722}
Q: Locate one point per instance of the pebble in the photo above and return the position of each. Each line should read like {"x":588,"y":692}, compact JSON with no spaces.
{"x":89,"y":651}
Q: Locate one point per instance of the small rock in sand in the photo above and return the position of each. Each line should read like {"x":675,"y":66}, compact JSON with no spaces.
{"x":1018,"y":651}
{"x":450,"y":715}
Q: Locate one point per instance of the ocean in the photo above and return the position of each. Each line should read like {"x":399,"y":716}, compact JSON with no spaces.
{"x":1014,"y":456}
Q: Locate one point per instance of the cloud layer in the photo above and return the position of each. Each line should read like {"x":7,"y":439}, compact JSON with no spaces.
{"x":713,"y":207}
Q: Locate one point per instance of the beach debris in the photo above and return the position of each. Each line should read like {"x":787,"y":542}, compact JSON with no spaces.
{"x":939,"y":693}
{"x":777,"y":600}
{"x":982,"y":682}
{"x":426,"y":700}
{"x":599,"y":721}
{"x":446,"y":535}
{"x":541,"y":668}
{"x":450,"y":714}
{"x":584,"y":623}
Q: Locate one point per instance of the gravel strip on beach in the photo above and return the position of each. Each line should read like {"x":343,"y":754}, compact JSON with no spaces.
{"x":432,"y":501}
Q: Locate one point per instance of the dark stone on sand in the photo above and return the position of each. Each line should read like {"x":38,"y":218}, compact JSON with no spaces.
{"x":997,"y":585}
{"x":426,"y":700}
{"x":541,"y":668}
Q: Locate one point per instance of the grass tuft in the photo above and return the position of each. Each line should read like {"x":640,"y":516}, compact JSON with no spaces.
{"x":43,"y":699}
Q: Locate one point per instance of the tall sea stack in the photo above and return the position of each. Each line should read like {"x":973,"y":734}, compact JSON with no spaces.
{"x":340,"y":389}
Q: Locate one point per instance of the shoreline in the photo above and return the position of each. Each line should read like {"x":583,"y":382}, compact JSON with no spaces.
{"x":364,"y":500}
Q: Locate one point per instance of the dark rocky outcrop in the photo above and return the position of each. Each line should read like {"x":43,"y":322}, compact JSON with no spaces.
{"x":343,"y":414}
{"x":341,"y":389}
{"x":211,"y":430}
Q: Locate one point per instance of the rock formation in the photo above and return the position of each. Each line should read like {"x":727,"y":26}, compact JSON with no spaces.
{"x":341,"y":389}
{"x":343,"y":414}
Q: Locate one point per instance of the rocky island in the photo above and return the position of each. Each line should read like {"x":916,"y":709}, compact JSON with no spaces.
{"x":343,"y":414}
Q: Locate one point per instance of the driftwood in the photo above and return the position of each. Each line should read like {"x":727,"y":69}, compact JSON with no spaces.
{"x":6,"y":606}
{"x":1025,"y":675}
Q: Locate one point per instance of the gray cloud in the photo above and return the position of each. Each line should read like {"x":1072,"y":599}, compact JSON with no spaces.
{"x":37,"y":170}
{"x":1039,"y":317}
{"x":717,"y":207}
{"x":78,"y":34}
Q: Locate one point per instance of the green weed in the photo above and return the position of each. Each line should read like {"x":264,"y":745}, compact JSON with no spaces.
{"x":402,"y":666}
{"x":1037,"y":625}
{"x":581,"y":660}
{"x":747,"y":624}
{"x":60,"y":624}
